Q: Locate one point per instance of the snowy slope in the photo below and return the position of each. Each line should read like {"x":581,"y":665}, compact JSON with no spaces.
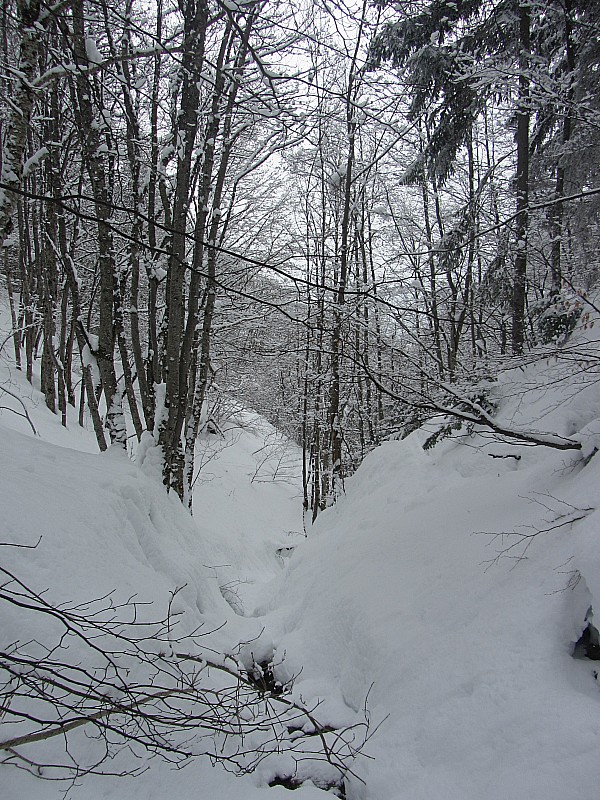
{"x":248,"y":506}
{"x":402,"y":596}
{"x":467,"y":645}
{"x":99,"y":526}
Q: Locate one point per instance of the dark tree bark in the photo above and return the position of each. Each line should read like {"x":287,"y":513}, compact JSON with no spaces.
{"x":169,"y":435}
{"x":21,"y":106}
{"x":559,"y":189}
{"x":93,"y":136}
{"x":522,"y":185}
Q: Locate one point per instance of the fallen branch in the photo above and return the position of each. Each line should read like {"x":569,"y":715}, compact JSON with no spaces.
{"x":24,"y":414}
{"x":478,"y":417}
{"x":138,"y":683}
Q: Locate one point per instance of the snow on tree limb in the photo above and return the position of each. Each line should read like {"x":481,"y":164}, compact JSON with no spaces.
{"x":480,"y":417}
{"x":20,"y":113}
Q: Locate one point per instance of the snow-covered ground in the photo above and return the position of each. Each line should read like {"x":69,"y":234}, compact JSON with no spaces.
{"x":421,"y":601}
{"x":99,"y":525}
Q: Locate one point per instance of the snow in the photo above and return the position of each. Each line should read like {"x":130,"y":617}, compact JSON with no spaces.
{"x":89,"y":359}
{"x":91,"y":50}
{"x":249,"y":506}
{"x":468,"y":648}
{"x":403,"y":599}
{"x":382,"y":210}
{"x":34,"y":161}
{"x":472,"y":666}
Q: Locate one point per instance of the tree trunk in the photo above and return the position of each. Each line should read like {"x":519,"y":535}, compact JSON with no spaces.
{"x":522,"y":183}
{"x":169,"y":435}
{"x":21,"y":106}
{"x":93,"y":135}
{"x":559,"y":189}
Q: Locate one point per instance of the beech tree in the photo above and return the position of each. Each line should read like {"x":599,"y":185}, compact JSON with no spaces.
{"x":391,"y":189}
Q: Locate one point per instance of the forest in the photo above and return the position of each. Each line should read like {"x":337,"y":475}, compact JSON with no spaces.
{"x":344,"y":224}
{"x":348,"y":216}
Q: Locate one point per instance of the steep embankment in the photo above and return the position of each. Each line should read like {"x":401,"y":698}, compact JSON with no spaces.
{"x":455,"y":583}
{"x":97,"y":536}
{"x":449,"y":586}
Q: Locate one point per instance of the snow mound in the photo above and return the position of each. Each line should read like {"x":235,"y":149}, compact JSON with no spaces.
{"x":442,"y":599}
{"x":450,"y":586}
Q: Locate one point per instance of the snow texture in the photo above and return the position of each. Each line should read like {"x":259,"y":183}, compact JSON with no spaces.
{"x":416,"y":595}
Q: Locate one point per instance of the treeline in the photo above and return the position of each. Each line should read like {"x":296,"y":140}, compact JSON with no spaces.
{"x":338,"y":215}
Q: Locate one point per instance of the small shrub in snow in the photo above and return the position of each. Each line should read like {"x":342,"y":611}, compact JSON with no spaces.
{"x":556,"y":317}
{"x":479,"y":396}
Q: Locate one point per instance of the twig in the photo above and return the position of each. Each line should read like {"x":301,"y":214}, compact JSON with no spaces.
{"x":25,"y":413}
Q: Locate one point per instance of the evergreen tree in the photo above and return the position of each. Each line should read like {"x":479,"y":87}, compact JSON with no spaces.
{"x":458,"y":58}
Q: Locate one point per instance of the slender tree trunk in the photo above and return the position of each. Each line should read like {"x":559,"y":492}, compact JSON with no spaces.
{"x":521,"y":226}
{"x":21,"y":106}
{"x":134,"y":137}
{"x":559,"y":189}
{"x":169,"y":435}
{"x":333,"y":410}
{"x":437,"y":342}
{"x":93,"y":135}
{"x":14,"y":317}
{"x":26,"y":309}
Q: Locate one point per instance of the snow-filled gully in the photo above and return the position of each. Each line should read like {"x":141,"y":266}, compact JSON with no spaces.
{"x":402,"y":606}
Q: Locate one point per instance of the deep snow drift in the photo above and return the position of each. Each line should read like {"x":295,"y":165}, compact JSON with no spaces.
{"x":100,"y":527}
{"x":456,"y":582}
{"x":446,"y":591}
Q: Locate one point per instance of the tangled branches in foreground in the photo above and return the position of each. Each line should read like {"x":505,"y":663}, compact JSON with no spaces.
{"x":136,"y":685}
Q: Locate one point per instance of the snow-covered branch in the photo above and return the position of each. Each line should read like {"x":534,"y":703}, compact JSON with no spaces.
{"x":476,"y":415}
